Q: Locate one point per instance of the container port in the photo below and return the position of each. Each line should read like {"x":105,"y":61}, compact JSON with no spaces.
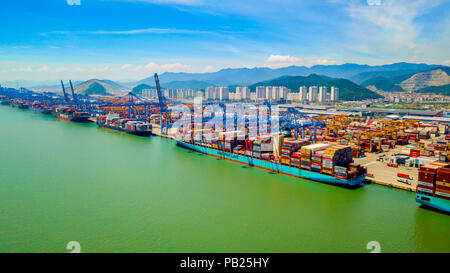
{"x":225,"y":135}
{"x":336,"y":149}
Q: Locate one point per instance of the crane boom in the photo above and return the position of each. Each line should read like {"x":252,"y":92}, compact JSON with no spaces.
{"x":64,"y":91}
{"x":73,"y":93}
{"x":162,"y":107}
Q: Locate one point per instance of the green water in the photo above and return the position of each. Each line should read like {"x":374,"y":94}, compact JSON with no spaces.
{"x":64,"y":181}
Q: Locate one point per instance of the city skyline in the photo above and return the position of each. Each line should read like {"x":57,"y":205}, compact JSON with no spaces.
{"x":130,"y":40}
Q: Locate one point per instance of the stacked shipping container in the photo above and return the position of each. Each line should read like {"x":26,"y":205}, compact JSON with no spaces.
{"x":434,"y":180}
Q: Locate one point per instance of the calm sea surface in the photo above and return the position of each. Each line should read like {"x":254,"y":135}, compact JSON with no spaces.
{"x":63,"y":181}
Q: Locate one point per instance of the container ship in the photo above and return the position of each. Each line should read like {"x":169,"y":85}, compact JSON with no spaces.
{"x":318,"y":162}
{"x":71,"y":114}
{"x":38,"y":107}
{"x":433,"y":189}
{"x":4,"y":100}
{"x":115,"y":122}
{"x":19,"y":104}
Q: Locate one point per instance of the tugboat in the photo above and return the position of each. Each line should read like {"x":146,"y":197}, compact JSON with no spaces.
{"x":115,"y":122}
{"x":71,"y":114}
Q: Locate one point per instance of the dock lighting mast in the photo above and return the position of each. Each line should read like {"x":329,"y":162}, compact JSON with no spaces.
{"x":162,"y":108}
{"x":73,"y":93}
{"x":64,"y":92}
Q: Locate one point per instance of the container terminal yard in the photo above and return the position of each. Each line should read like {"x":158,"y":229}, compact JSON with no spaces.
{"x":341,"y":148}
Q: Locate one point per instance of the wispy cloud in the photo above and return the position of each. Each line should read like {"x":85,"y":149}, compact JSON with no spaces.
{"x":171,"y":2}
{"x":149,"y":31}
{"x":22,"y":47}
{"x":144,"y":31}
{"x":73,"y":2}
{"x":275,"y":61}
{"x":391,"y":21}
{"x":390,"y":30}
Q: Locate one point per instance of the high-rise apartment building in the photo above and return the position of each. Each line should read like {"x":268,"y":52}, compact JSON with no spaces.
{"x":268,"y":92}
{"x":334,"y":94}
{"x":322,"y":94}
{"x":223,"y":93}
{"x":210,"y":93}
{"x":244,"y":92}
{"x":303,"y":93}
{"x":283,"y":91}
{"x":260,"y":92}
{"x":312,"y":95}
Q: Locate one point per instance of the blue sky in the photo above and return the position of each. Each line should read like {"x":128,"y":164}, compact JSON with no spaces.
{"x":131,"y":39}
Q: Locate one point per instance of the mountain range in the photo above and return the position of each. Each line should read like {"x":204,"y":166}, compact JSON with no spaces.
{"x":348,"y":90}
{"x":354,"y":79}
{"x":413,"y":82}
{"x":249,"y":76}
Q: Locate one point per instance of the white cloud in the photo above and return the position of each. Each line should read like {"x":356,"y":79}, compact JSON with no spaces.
{"x":22,"y":69}
{"x":125,"y":66}
{"x":73,"y":2}
{"x":61,"y":69}
{"x":174,"y":2}
{"x":282,"y":59}
{"x":276,"y":61}
{"x":44,"y":68}
{"x":374,"y":2}
{"x":175,"y":67}
{"x":391,"y":23}
{"x":144,"y":31}
{"x":208,"y":68}
{"x":153,"y":67}
{"x":447,"y":62}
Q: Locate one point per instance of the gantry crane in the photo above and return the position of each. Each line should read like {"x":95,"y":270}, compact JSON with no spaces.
{"x":162,"y":108}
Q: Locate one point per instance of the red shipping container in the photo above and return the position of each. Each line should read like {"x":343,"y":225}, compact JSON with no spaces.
{"x":414,"y":153}
{"x":443,"y":175}
{"x":403,"y":175}
{"x":427,"y":176}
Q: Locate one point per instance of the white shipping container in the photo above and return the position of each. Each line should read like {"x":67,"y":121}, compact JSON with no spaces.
{"x":317,"y":147}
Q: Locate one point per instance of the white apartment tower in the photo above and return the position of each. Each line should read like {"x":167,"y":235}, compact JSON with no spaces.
{"x":269,"y":91}
{"x":312,"y":95}
{"x":223,"y":93}
{"x":244,"y":92}
{"x":334,"y":93}
{"x":260,"y":92}
{"x":322,"y":94}
{"x":210,"y":93}
{"x":284,"y":92}
{"x":303,"y":93}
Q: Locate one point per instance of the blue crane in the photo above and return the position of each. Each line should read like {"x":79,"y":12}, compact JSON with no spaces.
{"x":64,"y":92}
{"x":293,"y":119}
{"x":162,"y":108}
{"x":73,"y":93}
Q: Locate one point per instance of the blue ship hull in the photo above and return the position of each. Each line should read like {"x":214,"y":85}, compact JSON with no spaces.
{"x":433,"y":202}
{"x":43,"y":111}
{"x":275,"y":167}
